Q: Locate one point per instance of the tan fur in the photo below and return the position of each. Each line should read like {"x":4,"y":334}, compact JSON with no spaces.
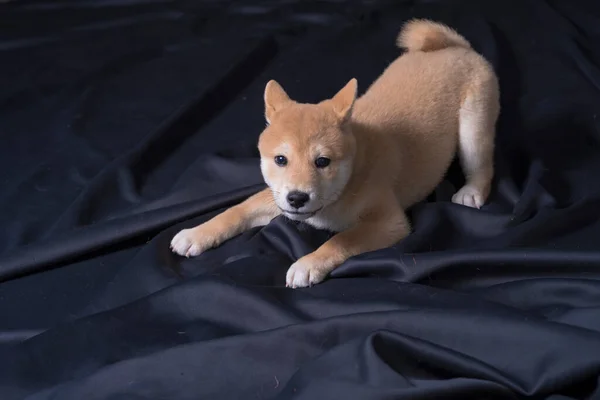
{"x":388,"y":149}
{"x":424,"y":35}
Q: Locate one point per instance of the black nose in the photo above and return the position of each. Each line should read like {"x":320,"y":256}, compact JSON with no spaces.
{"x":297,"y":199}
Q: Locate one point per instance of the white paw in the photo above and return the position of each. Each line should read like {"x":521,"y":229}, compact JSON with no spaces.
{"x":304,"y":273}
{"x":190,"y":243}
{"x":469,"y":196}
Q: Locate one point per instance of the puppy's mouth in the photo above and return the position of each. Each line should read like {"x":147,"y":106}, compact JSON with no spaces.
{"x":299,"y":214}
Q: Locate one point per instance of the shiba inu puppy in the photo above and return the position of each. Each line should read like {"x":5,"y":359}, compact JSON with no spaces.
{"x":353,"y":165}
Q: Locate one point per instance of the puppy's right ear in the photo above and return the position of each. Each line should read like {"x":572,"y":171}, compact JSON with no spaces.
{"x":275,"y":99}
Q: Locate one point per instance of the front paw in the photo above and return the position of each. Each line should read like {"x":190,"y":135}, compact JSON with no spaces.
{"x":192,"y":242}
{"x":305,"y":272}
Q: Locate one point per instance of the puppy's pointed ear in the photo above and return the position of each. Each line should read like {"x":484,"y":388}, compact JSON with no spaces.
{"x":275,"y":99}
{"x":343,"y":101}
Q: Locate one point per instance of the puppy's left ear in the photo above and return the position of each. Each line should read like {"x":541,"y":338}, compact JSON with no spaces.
{"x":343,"y":101}
{"x":275,"y":99}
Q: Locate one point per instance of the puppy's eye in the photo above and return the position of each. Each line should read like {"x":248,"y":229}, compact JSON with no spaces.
{"x":281,"y":161}
{"x":322,"y":162}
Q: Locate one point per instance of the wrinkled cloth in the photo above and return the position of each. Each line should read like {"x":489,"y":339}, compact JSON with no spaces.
{"x":122,"y":122}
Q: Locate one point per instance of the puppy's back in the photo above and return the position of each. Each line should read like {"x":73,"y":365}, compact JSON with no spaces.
{"x":431,"y":78}
{"x":412,"y":109}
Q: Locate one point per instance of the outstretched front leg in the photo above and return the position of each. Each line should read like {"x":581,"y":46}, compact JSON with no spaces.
{"x":257,"y":210}
{"x":374,"y":231}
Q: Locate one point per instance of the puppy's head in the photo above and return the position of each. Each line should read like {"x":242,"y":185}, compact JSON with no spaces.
{"x":307,"y":150}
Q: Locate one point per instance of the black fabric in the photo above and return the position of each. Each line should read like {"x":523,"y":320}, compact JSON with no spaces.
{"x":122,"y":122}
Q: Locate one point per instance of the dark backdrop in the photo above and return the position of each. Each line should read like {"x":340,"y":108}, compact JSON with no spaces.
{"x":122,"y":122}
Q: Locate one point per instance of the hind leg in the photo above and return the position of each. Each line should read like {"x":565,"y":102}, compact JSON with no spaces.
{"x":477,"y":123}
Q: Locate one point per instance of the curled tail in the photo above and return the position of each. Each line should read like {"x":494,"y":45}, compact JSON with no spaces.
{"x":426,"y":35}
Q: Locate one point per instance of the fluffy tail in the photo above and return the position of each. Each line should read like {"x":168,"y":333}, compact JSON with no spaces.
{"x":426,"y":35}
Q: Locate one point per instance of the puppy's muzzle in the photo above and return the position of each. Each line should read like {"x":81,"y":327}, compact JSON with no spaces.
{"x":297,"y":199}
